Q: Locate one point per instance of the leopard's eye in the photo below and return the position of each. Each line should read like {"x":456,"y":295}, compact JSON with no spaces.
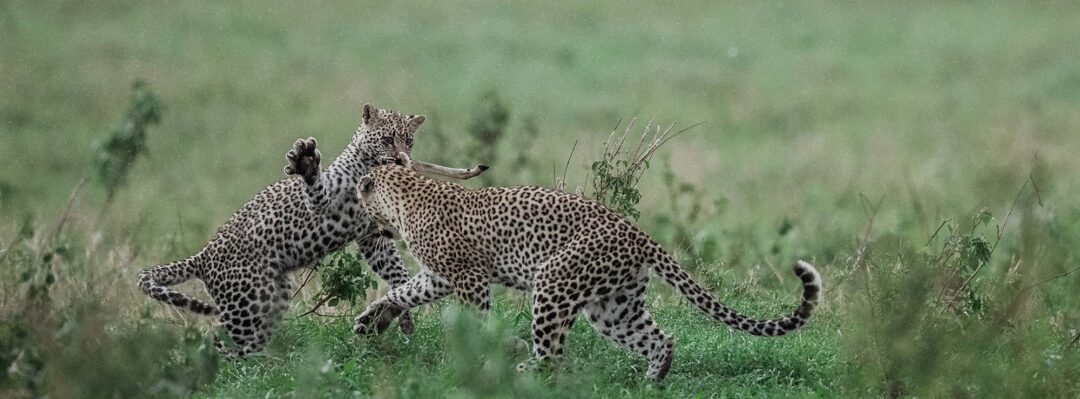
{"x":408,"y":141}
{"x":388,"y":140}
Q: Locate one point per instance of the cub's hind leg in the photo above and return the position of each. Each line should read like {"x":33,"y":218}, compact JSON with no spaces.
{"x":155,"y":282}
{"x":621,"y":316}
{"x":251,"y":310}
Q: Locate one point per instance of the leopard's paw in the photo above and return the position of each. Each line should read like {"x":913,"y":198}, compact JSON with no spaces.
{"x":376,"y":318}
{"x":304,"y":160}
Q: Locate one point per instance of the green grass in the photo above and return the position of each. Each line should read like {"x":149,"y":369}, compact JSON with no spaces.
{"x":813,"y":113}
{"x":458,"y":355}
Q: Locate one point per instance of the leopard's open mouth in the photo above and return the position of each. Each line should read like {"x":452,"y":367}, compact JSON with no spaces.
{"x":387,"y":160}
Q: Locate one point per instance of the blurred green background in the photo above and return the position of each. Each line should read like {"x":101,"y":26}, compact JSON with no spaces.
{"x":812,"y":112}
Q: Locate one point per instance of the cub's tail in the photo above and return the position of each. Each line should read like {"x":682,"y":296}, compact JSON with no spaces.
{"x":681,"y":280}
{"x":155,"y":282}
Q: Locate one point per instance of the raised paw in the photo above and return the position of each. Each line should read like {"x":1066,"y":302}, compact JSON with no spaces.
{"x":304,"y":160}
{"x":376,"y":318}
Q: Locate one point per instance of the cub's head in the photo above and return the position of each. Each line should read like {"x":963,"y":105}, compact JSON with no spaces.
{"x":385,"y":133}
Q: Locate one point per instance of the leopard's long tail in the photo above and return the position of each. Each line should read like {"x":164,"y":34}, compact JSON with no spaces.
{"x":156,"y":280}
{"x":681,"y":280}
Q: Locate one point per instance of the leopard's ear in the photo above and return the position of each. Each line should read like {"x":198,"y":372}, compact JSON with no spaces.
{"x":365,"y":186}
{"x":371,"y":114}
{"x":415,"y":121}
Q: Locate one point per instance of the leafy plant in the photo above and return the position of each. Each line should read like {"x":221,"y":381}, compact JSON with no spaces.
{"x":962,"y":256}
{"x":344,"y":278}
{"x":616,"y":174}
{"x":117,"y":152}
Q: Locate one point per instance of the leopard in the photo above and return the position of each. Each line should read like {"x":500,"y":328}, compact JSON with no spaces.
{"x":573,"y":254}
{"x":288,"y":226}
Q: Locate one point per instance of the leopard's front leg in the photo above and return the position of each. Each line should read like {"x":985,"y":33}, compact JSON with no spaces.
{"x":472,"y":288}
{"x":424,"y":288}
{"x":384,"y":260}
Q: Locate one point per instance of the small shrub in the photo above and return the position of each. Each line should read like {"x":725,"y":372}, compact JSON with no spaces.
{"x":116,"y":153}
{"x":344,"y":278}
{"x":616,"y":174}
{"x":88,"y":348}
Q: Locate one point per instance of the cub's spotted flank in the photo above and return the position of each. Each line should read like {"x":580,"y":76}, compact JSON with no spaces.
{"x":574,"y":254}
{"x":290,"y":225}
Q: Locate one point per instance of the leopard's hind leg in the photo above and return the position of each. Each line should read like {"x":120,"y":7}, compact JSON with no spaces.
{"x":556,"y":304}
{"x":621,"y":316}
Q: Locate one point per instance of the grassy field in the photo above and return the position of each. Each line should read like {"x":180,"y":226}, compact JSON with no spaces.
{"x":923,"y":156}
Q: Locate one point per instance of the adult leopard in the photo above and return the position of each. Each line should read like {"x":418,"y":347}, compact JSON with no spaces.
{"x":574,"y":254}
{"x":290,"y":225}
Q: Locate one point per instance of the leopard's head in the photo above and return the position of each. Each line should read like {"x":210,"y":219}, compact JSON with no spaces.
{"x":385,"y":133}
{"x":378,"y":199}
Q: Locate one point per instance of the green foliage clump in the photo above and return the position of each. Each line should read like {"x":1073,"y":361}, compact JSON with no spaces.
{"x":116,"y":153}
{"x":958,"y":322}
{"x":616,"y":174}
{"x":344,"y":278}
{"x":615,"y":186}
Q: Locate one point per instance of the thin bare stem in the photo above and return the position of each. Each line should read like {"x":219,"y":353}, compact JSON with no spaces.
{"x":311,"y":272}
{"x":931,"y":239}
{"x":1049,"y":279}
{"x":560,"y":183}
{"x":318,"y":305}
{"x":860,"y":253}
{"x":871,"y":214}
{"x":67,"y":209}
{"x":679,"y":132}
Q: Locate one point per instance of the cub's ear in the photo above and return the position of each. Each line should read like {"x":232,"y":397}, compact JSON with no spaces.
{"x":371,"y":114}
{"x":365,"y":186}
{"x":415,"y":121}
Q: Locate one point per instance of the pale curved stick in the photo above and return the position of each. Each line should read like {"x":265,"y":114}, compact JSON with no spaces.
{"x":454,"y":173}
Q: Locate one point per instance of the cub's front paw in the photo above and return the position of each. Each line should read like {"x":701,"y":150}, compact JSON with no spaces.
{"x":304,"y":160}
